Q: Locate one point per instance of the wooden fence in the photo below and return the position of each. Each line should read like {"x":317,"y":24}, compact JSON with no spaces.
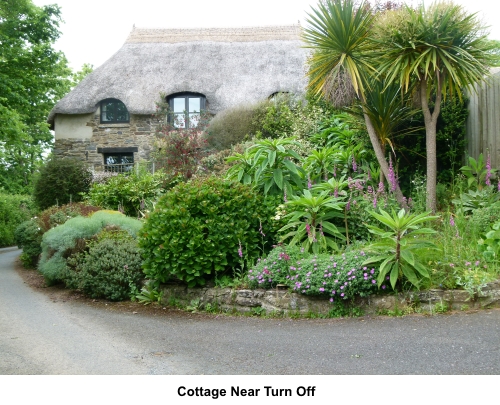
{"x":483,"y":124}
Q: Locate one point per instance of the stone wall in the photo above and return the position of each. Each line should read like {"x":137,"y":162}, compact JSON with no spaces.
{"x":285,"y":301}
{"x":139,"y":132}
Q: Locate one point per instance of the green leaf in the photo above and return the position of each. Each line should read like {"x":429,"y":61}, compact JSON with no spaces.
{"x":394,"y":275}
{"x":278,"y":178}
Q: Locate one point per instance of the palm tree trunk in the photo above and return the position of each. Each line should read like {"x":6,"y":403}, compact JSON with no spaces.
{"x":384,"y":167}
{"x":430,"y":120}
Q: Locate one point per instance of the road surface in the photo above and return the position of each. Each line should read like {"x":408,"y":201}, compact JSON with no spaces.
{"x":39,"y":336}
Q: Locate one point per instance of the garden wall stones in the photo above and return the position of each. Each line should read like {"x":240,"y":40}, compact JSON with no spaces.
{"x":285,"y":301}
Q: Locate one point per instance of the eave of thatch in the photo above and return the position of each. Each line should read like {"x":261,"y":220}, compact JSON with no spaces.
{"x":230,"y":66}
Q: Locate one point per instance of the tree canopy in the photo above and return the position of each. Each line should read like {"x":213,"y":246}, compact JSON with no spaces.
{"x":33,"y":76}
{"x":437,"y":50}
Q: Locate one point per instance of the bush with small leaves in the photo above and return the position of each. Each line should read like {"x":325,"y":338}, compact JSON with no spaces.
{"x":61,"y":181}
{"x":203,"y":227}
{"x":71,"y":238}
{"x":110,"y":269}
{"x":28,"y":237}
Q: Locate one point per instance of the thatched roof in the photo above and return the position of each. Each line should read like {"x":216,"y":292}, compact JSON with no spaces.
{"x":230,"y":66}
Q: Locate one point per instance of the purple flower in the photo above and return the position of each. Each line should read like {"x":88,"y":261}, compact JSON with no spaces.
{"x":331,"y":299}
{"x":488,"y":170}
{"x":354,"y":165}
{"x":342,"y":294}
{"x":321,"y":289}
{"x":383,"y":287}
{"x":392,"y":176}
{"x":260,"y":230}
{"x":452,"y":221}
{"x":240,"y":251}
{"x":373,"y":281}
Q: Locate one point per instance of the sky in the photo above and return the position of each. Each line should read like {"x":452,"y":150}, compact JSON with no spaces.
{"x":93,"y":30}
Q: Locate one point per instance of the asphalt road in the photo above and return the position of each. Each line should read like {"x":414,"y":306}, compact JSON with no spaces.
{"x":38,"y":336}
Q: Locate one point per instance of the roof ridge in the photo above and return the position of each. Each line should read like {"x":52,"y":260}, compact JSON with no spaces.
{"x":217,"y":34}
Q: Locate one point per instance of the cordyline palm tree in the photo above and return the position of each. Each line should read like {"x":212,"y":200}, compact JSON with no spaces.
{"x":387,"y":112}
{"x":440,"y":49}
{"x":339,"y":34}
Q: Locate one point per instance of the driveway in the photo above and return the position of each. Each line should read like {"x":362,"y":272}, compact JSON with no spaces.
{"x":39,"y":336}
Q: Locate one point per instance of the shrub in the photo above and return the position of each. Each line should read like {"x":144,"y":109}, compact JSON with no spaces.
{"x":179,"y":145}
{"x":61,"y":181}
{"x":232,"y":126}
{"x":28,"y":236}
{"x":198,"y":227}
{"x":482,"y":218}
{"x":111,"y":268}
{"x":58,"y":215}
{"x":14,"y":210}
{"x":128,"y":192}
{"x":68,"y":239}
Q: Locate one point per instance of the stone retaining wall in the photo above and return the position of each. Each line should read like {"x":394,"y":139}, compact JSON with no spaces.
{"x":285,"y":301}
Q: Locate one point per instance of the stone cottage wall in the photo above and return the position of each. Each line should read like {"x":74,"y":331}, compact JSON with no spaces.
{"x":139,"y":132}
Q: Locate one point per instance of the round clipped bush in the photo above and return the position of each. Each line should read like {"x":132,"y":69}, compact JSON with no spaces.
{"x":61,"y":181}
{"x":71,"y":238}
{"x":111,"y":268}
{"x":197,"y":228}
{"x":28,"y":237}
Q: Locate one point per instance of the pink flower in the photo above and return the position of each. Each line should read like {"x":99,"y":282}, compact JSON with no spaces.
{"x":488,"y":170}
{"x":392,"y":176}
{"x":240,"y":251}
{"x":452,"y":222}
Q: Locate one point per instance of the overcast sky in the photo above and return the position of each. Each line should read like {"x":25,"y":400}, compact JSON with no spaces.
{"x":95,"y":29}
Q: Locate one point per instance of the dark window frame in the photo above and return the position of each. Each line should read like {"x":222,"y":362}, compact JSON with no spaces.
{"x":115,"y":103}
{"x":118,"y":152}
{"x":186,"y":96}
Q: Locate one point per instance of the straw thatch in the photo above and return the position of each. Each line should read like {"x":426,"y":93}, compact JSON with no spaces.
{"x":230,"y":66}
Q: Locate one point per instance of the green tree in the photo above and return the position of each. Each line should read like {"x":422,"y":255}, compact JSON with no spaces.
{"x":441,"y":47}
{"x":33,"y":76}
{"x":343,"y":61}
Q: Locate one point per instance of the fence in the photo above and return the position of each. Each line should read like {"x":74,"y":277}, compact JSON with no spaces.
{"x":483,"y":124}
{"x":149,"y":166}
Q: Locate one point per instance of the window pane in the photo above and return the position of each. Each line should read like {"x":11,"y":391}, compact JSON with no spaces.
{"x":194,"y":119}
{"x":107,"y":112}
{"x":179,"y":104}
{"x":194,"y":105}
{"x":179,"y":121}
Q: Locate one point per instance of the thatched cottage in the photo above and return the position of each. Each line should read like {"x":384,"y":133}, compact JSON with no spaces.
{"x":107,"y":118}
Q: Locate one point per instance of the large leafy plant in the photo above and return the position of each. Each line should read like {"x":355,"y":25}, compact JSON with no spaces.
{"x":309,"y":221}
{"x":270,"y":166}
{"x":401,"y":248}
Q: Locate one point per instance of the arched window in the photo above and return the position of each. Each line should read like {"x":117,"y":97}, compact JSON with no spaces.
{"x":185,"y":109}
{"x":113,"y":111}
